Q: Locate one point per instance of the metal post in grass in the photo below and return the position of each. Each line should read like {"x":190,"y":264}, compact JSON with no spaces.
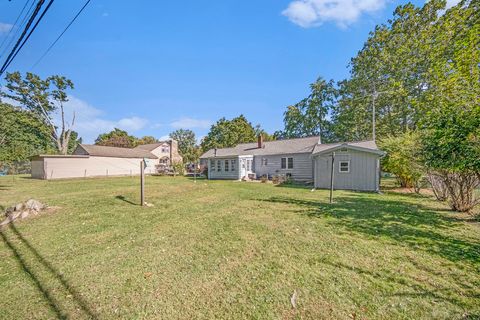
{"x":142,"y":182}
{"x":331,"y":177}
{"x":195,"y":172}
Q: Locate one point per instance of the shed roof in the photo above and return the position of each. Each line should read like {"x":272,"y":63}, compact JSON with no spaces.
{"x":367,"y":146}
{"x":287,"y":146}
{"x":115,"y":152}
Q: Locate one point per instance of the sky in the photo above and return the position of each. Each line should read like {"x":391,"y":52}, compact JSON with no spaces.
{"x":151,"y":67}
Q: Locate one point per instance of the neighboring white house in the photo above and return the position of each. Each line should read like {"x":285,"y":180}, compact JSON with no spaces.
{"x":93,"y":161}
{"x":356,"y":164}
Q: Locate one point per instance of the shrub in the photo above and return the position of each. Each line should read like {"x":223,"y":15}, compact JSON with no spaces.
{"x":264,"y":178}
{"x":451,"y":147}
{"x":402,"y":159}
{"x":178,"y":168}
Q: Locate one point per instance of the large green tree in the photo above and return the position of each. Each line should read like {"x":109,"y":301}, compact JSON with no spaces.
{"x":388,"y":76}
{"x":187,"y":144}
{"x":228,"y":133}
{"x":22,"y":135}
{"x":309,"y":116}
{"x":116,"y":138}
{"x":451,"y":126}
{"x":45,"y":99}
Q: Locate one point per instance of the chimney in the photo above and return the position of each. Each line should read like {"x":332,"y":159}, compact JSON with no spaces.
{"x":260,"y":141}
{"x":215,"y":152}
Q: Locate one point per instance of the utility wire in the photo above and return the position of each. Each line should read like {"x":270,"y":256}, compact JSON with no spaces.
{"x":17,"y":32}
{"x":9,"y":60}
{"x":14,"y":24}
{"x":29,"y":23}
{"x":61,"y":34}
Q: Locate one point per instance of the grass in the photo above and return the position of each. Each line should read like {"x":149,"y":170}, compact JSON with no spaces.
{"x":224,"y":249}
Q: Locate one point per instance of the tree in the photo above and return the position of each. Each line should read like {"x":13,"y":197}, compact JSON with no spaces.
{"x":186,"y":144}
{"x":44,"y":99}
{"x":308,"y":117}
{"x":73,"y":142}
{"x":451,"y":126}
{"x":388,"y":76}
{"x":146,"y":140}
{"x":116,"y":138}
{"x":22,"y":135}
{"x":228,"y":133}
{"x":402,"y":159}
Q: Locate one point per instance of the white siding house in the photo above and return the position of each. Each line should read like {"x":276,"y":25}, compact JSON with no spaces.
{"x":102,"y":161}
{"x":356,"y":164}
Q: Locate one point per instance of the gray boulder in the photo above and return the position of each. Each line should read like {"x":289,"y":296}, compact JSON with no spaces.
{"x":34,"y":205}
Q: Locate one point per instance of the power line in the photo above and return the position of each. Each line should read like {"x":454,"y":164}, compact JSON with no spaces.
{"x":29,"y":23}
{"x":14,"y":24}
{"x":14,"y":53}
{"x":61,"y":34}
{"x":20,"y":26}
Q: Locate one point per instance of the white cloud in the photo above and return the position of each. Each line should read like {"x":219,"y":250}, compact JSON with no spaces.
{"x":163,"y":138}
{"x":90,"y":121}
{"x":311,"y":13}
{"x":451,"y":3}
{"x":5,"y":27}
{"x":189,"y":123}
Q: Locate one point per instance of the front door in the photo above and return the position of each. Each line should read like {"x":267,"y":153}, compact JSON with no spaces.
{"x":243,"y":168}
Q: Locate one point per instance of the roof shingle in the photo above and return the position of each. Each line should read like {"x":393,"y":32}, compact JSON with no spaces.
{"x":289,"y":146}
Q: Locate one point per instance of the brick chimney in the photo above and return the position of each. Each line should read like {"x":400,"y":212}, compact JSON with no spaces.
{"x":260,"y":141}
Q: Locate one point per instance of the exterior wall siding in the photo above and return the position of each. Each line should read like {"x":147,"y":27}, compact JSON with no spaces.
{"x":37,"y":169}
{"x":224,"y":175}
{"x":302,"y":166}
{"x":363,"y":175}
{"x":60,"y":168}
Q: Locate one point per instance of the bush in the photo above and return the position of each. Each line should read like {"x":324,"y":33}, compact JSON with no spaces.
{"x":264,"y":178}
{"x":402,"y":159}
{"x":178,"y":168}
{"x":451,"y":148}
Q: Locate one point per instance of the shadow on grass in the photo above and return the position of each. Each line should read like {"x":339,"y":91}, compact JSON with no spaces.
{"x":28,"y":270}
{"x":307,"y":186}
{"x":410,"y":286}
{"x":120,"y":197}
{"x":417,"y":226}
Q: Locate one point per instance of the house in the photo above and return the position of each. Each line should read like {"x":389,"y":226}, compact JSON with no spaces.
{"x":93,"y":160}
{"x":356,"y":164}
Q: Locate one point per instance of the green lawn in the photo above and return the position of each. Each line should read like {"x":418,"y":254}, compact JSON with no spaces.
{"x":224,"y":249}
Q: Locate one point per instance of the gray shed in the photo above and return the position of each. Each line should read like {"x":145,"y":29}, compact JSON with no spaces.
{"x":356,"y":166}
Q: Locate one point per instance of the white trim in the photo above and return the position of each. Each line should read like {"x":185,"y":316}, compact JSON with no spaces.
{"x":340,"y":166}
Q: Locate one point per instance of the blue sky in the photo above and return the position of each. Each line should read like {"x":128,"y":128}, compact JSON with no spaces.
{"x":151,"y":67}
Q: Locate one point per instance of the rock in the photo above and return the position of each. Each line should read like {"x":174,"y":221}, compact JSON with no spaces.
{"x":24,"y":214}
{"x":34,"y":205}
{"x":9,"y":210}
{"x":19,"y":206}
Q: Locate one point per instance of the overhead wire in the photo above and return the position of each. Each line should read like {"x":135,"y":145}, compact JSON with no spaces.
{"x":14,"y":24}
{"x":61,"y":34}
{"x":15,"y":51}
{"x":17,"y":31}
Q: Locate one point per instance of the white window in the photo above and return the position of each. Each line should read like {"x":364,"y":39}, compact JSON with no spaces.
{"x":287,"y":163}
{"x":212,"y":165}
{"x":264,"y":161}
{"x":227,"y":163}
{"x":234,"y":164}
{"x":344,"y":166}
{"x":219,"y":165}
{"x":165,"y":149}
